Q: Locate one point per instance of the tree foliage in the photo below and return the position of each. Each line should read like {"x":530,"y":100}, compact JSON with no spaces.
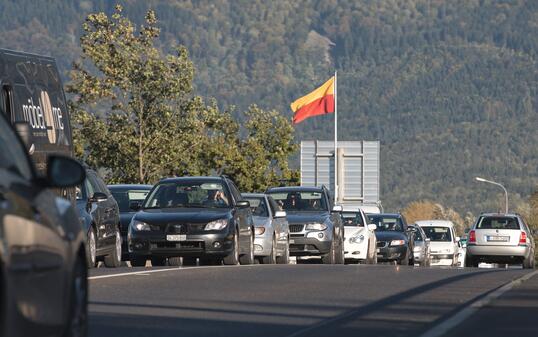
{"x":428,"y":210}
{"x":151,"y":125}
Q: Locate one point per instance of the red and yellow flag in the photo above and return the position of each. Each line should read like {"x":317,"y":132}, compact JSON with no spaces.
{"x":318,"y":102}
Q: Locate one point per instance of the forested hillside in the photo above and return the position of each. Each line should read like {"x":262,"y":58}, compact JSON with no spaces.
{"x":448,"y":87}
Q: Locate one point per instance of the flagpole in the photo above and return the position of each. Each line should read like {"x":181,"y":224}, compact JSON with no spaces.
{"x":335,"y":139}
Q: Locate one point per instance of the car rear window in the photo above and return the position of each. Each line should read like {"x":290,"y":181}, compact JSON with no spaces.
{"x":498,"y":223}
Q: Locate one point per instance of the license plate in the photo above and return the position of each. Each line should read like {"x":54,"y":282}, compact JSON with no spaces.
{"x":499,"y":238}
{"x":292,"y":241}
{"x":378,"y":250}
{"x":176,"y":237}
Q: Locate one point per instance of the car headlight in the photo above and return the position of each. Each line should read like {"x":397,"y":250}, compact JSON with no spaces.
{"x":357,"y":239}
{"x":397,"y":242}
{"x":259,"y":230}
{"x":216,"y":225}
{"x":140,"y":226}
{"x":316,"y":227}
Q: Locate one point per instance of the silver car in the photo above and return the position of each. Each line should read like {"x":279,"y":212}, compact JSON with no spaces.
{"x":500,"y":238}
{"x":421,"y":250}
{"x":271,"y":244}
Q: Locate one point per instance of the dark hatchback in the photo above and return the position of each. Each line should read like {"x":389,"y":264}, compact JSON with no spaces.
{"x":129,"y":198}
{"x":394,"y":238}
{"x":100,"y":218}
{"x":192,"y":217}
{"x":315,"y":225}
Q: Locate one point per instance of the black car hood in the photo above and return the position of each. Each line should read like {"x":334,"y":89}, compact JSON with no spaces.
{"x":390,"y":235}
{"x":182,"y":215}
{"x":307,"y":217}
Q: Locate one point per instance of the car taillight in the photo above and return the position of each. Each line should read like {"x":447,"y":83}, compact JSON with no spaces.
{"x":523,"y":238}
{"x":472,"y":237}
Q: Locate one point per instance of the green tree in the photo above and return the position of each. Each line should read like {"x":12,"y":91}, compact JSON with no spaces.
{"x":146,"y":98}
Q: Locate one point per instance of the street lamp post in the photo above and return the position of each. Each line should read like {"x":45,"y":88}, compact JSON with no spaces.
{"x":495,"y":183}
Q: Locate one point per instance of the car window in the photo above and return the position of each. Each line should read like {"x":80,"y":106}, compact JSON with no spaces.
{"x":300,"y":201}
{"x":89,"y":188}
{"x":438,"y":233}
{"x":352,"y":219}
{"x":386,"y":223}
{"x":125,"y":198}
{"x":96,"y":187}
{"x":13,"y":156}
{"x":258,"y":206}
{"x":498,"y":223}
{"x":235,"y":192}
{"x":418,"y":235}
{"x":188,"y":193}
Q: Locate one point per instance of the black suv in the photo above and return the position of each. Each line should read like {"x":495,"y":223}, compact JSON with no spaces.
{"x":395,"y":239}
{"x":315,"y":225}
{"x":100,"y":217}
{"x":192,"y":217}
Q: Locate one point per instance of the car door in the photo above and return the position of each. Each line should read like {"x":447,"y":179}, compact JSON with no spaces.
{"x":34,"y":245}
{"x":101,"y":213}
{"x":279,"y":224}
{"x":336,"y":218}
{"x":111,"y":209}
{"x":243,"y":217}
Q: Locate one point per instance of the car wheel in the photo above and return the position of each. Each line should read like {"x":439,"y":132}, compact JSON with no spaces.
{"x":158,"y":261}
{"x":470,"y":262}
{"x":174,"y":261}
{"x":114,"y":260}
{"x":233,"y":258}
{"x":189,"y":261}
{"x":248,"y":258}
{"x":209,"y":261}
{"x":528,"y":262}
{"x":78,"y":313}
{"x":91,"y":254}
{"x":340,"y":256}
{"x":405,"y":260}
{"x":271,"y":259}
{"x":285,"y":258}
{"x":138,"y":261}
{"x":330,"y":257}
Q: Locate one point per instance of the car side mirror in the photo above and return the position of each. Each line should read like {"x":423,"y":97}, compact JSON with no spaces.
{"x":135,"y":205}
{"x":98,"y":197}
{"x":458,"y":239}
{"x":64,"y":172}
{"x":338,"y":208}
{"x":280,"y":214}
{"x":372,"y":227}
{"x":24,"y":131}
{"x":243,"y":204}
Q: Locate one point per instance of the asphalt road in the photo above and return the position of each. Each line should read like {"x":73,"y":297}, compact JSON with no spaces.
{"x":291,"y":300}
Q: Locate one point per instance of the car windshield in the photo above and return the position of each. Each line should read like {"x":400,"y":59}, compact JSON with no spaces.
{"x":126,"y":197}
{"x":352,"y":219}
{"x":498,"y":223}
{"x":258,"y":206}
{"x":386,"y":223}
{"x":438,"y":233}
{"x":188,"y":193}
{"x":300,"y":201}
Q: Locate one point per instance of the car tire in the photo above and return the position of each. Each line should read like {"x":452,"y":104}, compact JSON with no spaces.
{"x":330,"y":257}
{"x":285,"y":258}
{"x":340,"y":256}
{"x":405,"y":260}
{"x":158,"y":261}
{"x":248,"y":258}
{"x":470,"y":262}
{"x":138,"y":261}
{"x":174,"y":261}
{"x":528,"y":262}
{"x":113,"y":260}
{"x":189,"y":261}
{"x":91,"y":253}
{"x":271,"y":258}
{"x":232,"y":259}
{"x":77,"y":325}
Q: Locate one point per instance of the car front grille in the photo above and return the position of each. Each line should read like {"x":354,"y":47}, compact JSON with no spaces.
{"x":382,"y":244}
{"x":296,"y":228}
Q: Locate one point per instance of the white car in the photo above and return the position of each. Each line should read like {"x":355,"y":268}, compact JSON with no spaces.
{"x":359,"y":239}
{"x":444,"y":247}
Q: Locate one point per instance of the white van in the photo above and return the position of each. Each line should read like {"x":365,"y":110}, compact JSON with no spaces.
{"x":443,"y":242}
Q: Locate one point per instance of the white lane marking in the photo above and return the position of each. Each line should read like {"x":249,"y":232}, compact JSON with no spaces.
{"x":462,"y":315}
{"x":163,"y":270}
